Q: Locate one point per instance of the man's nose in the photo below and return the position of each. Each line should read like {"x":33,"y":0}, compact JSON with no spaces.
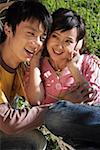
{"x":36,"y":41}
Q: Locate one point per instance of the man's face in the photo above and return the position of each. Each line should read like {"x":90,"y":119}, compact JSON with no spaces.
{"x":27,"y":40}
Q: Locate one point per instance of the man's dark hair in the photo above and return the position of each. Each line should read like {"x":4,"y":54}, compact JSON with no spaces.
{"x":26,"y":10}
{"x":65,"y":19}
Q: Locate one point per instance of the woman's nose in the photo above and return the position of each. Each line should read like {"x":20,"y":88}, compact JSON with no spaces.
{"x":60,"y":47}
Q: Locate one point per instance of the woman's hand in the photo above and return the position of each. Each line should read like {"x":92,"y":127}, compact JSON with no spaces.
{"x":81,"y":93}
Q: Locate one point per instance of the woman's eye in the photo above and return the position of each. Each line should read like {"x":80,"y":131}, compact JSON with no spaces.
{"x":54,"y":35}
{"x":68,"y":42}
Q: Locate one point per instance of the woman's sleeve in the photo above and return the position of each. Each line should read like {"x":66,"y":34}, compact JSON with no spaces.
{"x":91,"y":72}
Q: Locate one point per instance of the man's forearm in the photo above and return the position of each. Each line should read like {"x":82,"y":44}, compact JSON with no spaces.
{"x":15,"y":121}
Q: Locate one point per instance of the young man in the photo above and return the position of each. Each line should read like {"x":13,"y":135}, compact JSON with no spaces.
{"x":26,"y":26}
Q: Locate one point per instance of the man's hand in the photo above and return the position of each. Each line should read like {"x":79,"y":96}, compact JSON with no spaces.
{"x":34,"y":62}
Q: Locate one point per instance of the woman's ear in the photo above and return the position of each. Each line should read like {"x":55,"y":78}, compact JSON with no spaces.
{"x":79,"y":45}
{"x":7,"y":29}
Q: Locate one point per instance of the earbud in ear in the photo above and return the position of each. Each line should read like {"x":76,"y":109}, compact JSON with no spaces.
{"x":7,"y":29}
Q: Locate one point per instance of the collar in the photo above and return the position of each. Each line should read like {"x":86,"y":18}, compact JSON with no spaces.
{"x":6,"y":67}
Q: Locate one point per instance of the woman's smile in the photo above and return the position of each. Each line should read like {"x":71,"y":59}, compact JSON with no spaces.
{"x":57,"y":52}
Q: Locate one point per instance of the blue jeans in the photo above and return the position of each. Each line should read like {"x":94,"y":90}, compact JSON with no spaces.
{"x":76,"y":123}
{"x":33,"y":140}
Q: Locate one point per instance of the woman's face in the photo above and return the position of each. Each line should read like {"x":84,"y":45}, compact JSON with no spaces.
{"x":61,"y":45}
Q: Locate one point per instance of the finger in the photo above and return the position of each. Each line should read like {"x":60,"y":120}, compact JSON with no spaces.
{"x":35,"y":59}
{"x":73,"y":88}
{"x":94,"y":93}
{"x":38,"y":52}
{"x":91,"y":93}
{"x":87,"y":96}
{"x":88,"y":100}
{"x":75,"y":57}
{"x":46,"y":105}
{"x":84,"y":86}
{"x":86,"y":92}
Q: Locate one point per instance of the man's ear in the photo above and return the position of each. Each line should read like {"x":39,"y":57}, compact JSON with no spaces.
{"x":7,"y":29}
{"x":79,"y":45}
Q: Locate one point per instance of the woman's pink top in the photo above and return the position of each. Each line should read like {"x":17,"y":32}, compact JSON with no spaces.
{"x":89,"y":67}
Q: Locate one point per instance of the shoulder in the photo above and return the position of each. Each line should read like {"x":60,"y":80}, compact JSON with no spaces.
{"x":91,"y":60}
{"x":95,"y":59}
{"x":44,"y":63}
{"x":20,"y":72}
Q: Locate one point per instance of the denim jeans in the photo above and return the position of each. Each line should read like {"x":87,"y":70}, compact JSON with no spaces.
{"x":76,"y":123}
{"x":33,"y":140}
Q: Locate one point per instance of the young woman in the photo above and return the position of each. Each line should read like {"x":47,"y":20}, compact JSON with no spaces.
{"x":70,"y":76}
{"x":65,"y":72}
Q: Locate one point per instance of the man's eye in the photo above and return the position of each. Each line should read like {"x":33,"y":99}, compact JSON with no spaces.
{"x":31,"y":34}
